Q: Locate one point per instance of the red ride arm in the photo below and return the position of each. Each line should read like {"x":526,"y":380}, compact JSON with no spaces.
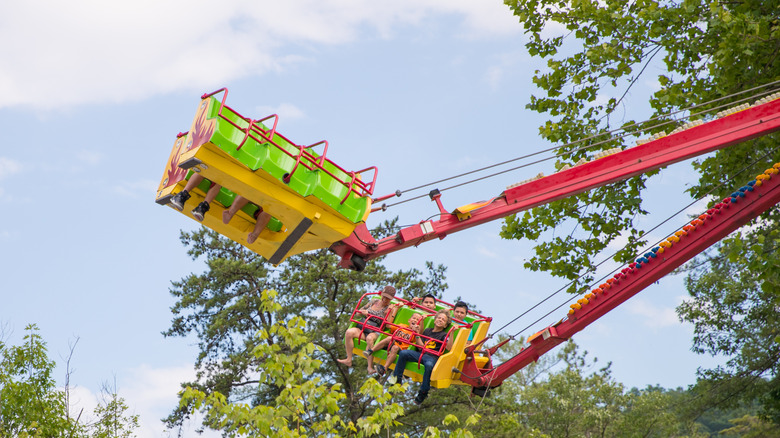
{"x":720,"y":221}
{"x":716,"y":134}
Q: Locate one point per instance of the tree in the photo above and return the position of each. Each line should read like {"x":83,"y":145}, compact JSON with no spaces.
{"x":751,"y":427}
{"x":112,"y":418}
{"x":699,"y":51}
{"x":597,"y":55}
{"x":223,"y":308}
{"x":734,"y":308}
{"x":306,"y":405}
{"x":32,"y":406}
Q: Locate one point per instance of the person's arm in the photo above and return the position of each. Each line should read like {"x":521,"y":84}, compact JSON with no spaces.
{"x":450,"y":340}
{"x":418,"y":340}
{"x":391,"y":312}
{"x":364,"y":310}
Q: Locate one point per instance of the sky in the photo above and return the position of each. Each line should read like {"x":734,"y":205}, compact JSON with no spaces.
{"x":93,"y":93}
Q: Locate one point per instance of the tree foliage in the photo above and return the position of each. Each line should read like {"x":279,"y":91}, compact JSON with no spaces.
{"x":700,"y":53}
{"x":596,"y":52}
{"x":223,"y":307}
{"x":291,"y":385}
{"x":734,"y":308}
{"x":31,"y":405}
{"x":306,"y":405}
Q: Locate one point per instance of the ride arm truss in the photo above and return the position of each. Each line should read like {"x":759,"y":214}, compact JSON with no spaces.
{"x":744,"y":125}
{"x":719,"y":221}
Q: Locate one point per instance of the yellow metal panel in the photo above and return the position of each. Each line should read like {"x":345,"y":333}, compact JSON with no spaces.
{"x":479,"y":334}
{"x":238,"y":228}
{"x":275,"y":198}
{"x":442,"y":376}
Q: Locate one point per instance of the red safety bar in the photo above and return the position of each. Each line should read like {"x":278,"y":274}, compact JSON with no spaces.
{"x":390,"y":326}
{"x":303,"y":157}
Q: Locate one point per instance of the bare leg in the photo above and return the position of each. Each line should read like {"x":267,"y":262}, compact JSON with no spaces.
{"x":391,"y":355}
{"x":237,"y":204}
{"x":370,"y":339}
{"x":212,"y":193}
{"x":350,"y":336}
{"x":378,"y":346}
{"x":199,"y":212}
{"x":193,"y":182}
{"x":262,"y":220}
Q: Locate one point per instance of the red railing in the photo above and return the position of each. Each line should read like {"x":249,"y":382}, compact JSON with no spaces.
{"x":303,"y":158}
{"x":387,"y":325}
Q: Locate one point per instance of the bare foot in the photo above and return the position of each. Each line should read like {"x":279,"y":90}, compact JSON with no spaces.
{"x":252,"y":236}
{"x":371,"y":371}
{"x":347,"y":362}
{"x":227,"y":215}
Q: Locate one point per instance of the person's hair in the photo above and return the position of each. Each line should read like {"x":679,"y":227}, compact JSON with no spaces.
{"x":461,"y":304}
{"x":429,"y":296}
{"x":446,"y":313}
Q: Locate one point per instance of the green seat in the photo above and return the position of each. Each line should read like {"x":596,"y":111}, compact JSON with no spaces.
{"x":279,"y":162}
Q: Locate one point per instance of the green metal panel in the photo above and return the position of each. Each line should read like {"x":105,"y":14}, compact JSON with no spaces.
{"x":273,"y":160}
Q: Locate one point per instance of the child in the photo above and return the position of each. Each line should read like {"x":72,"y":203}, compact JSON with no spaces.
{"x":402,"y":339}
{"x":433,"y":339}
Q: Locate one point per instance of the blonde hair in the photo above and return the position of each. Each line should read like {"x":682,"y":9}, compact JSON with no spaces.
{"x":447,"y":314}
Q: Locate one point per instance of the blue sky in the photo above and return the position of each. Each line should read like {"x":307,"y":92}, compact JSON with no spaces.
{"x":422,"y":89}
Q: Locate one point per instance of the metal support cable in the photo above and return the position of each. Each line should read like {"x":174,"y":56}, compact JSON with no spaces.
{"x":741,"y":171}
{"x":624,"y":128}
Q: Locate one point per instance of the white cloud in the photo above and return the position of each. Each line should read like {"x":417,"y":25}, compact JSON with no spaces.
{"x":89,"y":157}
{"x":285,"y":111}
{"x":653,"y":316}
{"x":85,"y":51}
{"x":82,"y":403}
{"x":136,"y":189}
{"x":152,"y":394}
{"x":9,"y":167}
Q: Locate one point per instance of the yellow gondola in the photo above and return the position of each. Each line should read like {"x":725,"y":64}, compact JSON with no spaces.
{"x":313,"y":201}
{"x":448,"y":366}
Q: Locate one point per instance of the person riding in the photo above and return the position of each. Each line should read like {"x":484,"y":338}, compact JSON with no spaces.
{"x":199,"y":212}
{"x":460,"y":310}
{"x":402,"y":338}
{"x":261,"y":217}
{"x":433,"y":339}
{"x":428,"y":302}
{"x":376,"y":311}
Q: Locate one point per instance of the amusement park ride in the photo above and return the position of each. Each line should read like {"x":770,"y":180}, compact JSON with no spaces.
{"x":316,"y":204}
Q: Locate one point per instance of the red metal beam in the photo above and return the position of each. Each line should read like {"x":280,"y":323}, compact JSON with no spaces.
{"x":718,"y":223}
{"x":717,"y":134}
